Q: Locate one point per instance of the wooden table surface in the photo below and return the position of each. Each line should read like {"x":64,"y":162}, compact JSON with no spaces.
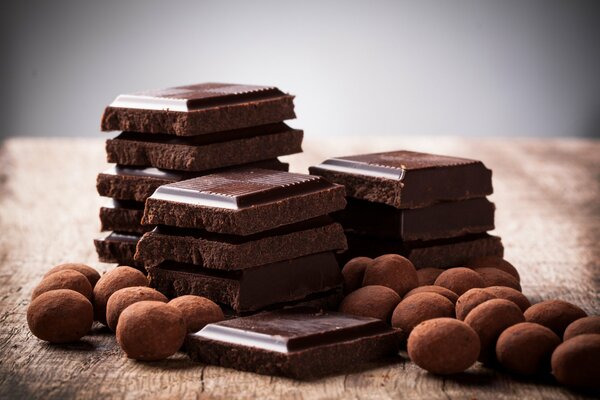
{"x":547,"y":194}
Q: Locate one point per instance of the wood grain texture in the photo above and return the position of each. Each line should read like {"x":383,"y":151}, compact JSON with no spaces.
{"x":547,"y":194}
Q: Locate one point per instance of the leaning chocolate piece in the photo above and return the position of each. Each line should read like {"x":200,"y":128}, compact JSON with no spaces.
{"x":198,"y":109}
{"x":437,"y":221}
{"x":299,"y":343}
{"x":205,"y":152}
{"x":138,"y":183}
{"x":123,"y":216}
{"x":243,"y":202}
{"x":118,"y":248}
{"x":250,"y":289}
{"x":230,"y":252}
{"x":406,"y":179}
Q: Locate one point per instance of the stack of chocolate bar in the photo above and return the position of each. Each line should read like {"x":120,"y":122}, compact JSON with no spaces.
{"x":180,"y":133}
{"x":431,"y":209}
{"x":248,"y":239}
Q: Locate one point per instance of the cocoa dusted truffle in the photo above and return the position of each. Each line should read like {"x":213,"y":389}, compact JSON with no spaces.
{"x":427,"y":276}
{"x":60,"y":316}
{"x":576,"y":362}
{"x":90,"y":273}
{"x":471,"y":299}
{"x":118,"y":278}
{"x":150,"y":330}
{"x":459,"y":280}
{"x":197,"y":311}
{"x":67,"y":279}
{"x":123,"y":298}
{"x":554,"y":314}
{"x":371,"y":301}
{"x":494,"y":262}
{"x":496,"y":277}
{"x":393,"y":271}
{"x":443,"y":346}
{"x":354,"y":272}
{"x":421,"y":307}
{"x":503,"y":292}
{"x":489,"y":320}
{"x":447,"y":293}
{"x":526,"y":348}
{"x":582,"y":326}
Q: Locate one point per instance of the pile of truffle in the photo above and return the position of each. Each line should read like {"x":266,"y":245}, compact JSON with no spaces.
{"x":456,"y":317}
{"x":148,"y":327}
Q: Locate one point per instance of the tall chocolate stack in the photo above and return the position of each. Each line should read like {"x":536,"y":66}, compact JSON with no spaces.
{"x":248,"y":239}
{"x":431,"y":209}
{"x":180,"y":133}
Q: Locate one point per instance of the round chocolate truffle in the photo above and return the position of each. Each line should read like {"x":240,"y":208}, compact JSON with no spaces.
{"x":393,"y":271}
{"x":90,"y":273}
{"x":118,"y":278}
{"x":60,"y":316}
{"x":443,"y":346}
{"x":576,"y":362}
{"x":489,"y":320}
{"x":354,"y":272}
{"x":494,"y":262}
{"x":526,"y":348}
{"x":471,"y":299}
{"x":197,"y":311}
{"x":421,"y":307}
{"x":67,"y":279}
{"x":496,"y":277}
{"x":123,"y":298}
{"x":503,"y":292}
{"x":447,"y":293}
{"x":554,"y":314}
{"x":582,"y":326}
{"x":371,"y":301}
{"x":459,"y":280}
{"x":150,"y":330}
{"x":427,"y":276}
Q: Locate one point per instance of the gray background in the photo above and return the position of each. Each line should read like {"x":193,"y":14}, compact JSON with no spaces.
{"x":514,"y":67}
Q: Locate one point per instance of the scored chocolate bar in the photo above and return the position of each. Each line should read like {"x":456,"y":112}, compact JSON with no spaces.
{"x":205,"y":152}
{"x":198,"y":109}
{"x":253,"y":288}
{"x":232,"y":252}
{"x":437,"y":221}
{"x":298,"y":342}
{"x":138,"y":183}
{"x":123,"y":216}
{"x":118,"y":248}
{"x":406,"y":179}
{"x":243,"y":202}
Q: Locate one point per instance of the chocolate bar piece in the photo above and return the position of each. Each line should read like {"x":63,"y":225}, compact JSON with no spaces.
{"x":123,"y":216}
{"x":243,"y":202}
{"x":299,"y":343}
{"x":198,"y":109}
{"x":437,"y":221}
{"x":405,"y":179}
{"x":205,"y":152}
{"x":253,"y":288}
{"x":118,"y":248}
{"x":441,"y":253}
{"x":138,"y":183}
{"x":230,"y":252}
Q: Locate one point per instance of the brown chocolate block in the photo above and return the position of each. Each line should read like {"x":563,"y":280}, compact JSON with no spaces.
{"x":138,"y":183}
{"x":406,"y":179}
{"x":299,"y":343}
{"x":440,"y":253}
{"x":198,"y":109}
{"x":205,"y":152}
{"x":243,"y":202}
{"x":231,"y":252}
{"x":123,"y":216}
{"x":118,"y":248}
{"x":253,"y":288}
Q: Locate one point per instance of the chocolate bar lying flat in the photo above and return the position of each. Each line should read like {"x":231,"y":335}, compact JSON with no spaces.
{"x":441,"y":253}
{"x":441,"y":220}
{"x":138,"y":183}
{"x":123,"y":216}
{"x":253,"y":288}
{"x":300,"y":343}
{"x":198,"y":109}
{"x":243,"y":202}
{"x":118,"y":248}
{"x":405,"y":179}
{"x":232,"y":252}
{"x":205,"y":152}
